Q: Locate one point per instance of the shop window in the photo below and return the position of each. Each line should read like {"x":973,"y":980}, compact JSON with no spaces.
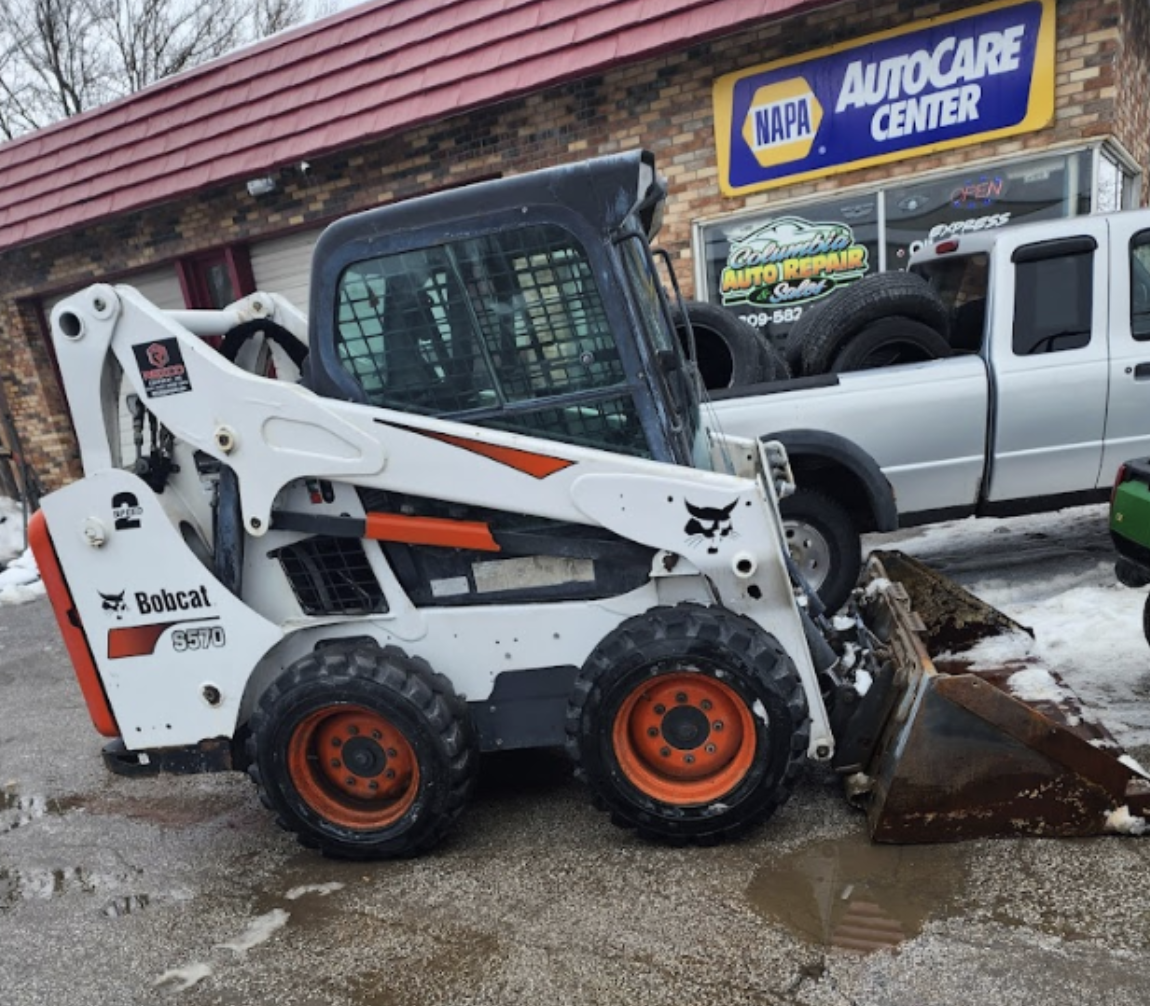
{"x":1140,"y":286}
{"x":739,"y":256}
{"x":770,"y":269}
{"x":1053,"y":298}
{"x":217,"y":278}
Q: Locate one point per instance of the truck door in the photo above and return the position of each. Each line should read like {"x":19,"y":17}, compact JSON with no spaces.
{"x":1049,"y":359}
{"x":1128,"y":420}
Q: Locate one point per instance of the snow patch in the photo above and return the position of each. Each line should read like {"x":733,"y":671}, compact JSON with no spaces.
{"x":1035,"y":684}
{"x":863,"y":681}
{"x":1122,"y":822}
{"x":761,"y":712}
{"x":180,"y":979}
{"x":994,"y":651}
{"x":259,"y":931}
{"x":323,"y":890}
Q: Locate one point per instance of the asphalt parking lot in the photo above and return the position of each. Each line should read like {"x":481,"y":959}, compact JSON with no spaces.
{"x":119,"y":891}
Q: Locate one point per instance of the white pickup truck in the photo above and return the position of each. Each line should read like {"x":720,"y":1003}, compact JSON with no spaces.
{"x":1045,"y":391}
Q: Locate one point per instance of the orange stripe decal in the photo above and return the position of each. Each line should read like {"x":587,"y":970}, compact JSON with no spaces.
{"x":431,"y":531}
{"x":135,"y":640}
{"x":75,"y":639}
{"x":536,"y":465}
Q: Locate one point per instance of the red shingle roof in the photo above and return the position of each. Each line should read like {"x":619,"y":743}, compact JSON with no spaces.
{"x":372,"y":70}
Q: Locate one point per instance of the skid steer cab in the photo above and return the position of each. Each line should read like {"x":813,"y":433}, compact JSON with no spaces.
{"x":473,"y":504}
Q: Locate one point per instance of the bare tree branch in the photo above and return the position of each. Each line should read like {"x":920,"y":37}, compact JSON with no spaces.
{"x":62,"y":57}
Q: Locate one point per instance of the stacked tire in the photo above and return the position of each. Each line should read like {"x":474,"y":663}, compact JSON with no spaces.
{"x":882,"y":320}
{"x":729,"y":352}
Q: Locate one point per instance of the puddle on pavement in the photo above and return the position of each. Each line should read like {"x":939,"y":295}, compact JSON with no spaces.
{"x":858,"y":896}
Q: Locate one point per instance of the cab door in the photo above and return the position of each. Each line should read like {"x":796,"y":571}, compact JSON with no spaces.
{"x":1050,"y":362}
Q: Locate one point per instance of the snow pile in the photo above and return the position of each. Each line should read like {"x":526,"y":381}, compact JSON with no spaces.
{"x":20,"y":579}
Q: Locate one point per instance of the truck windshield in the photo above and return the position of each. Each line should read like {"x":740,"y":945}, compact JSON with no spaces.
{"x":506,"y":330}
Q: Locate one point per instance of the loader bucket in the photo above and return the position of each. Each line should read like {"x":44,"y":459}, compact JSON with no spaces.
{"x":979,"y":740}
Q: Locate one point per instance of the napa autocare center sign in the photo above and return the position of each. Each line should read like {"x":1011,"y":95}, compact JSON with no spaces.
{"x":947,"y":82}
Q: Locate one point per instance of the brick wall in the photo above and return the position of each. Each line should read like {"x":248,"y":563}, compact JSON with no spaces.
{"x":1103,"y":61}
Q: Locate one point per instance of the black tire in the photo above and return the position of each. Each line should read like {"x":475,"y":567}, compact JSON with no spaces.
{"x":824,"y":542}
{"x":849,"y":311}
{"x":734,"y":738}
{"x":890,"y":341}
{"x":801,"y":331}
{"x":776,"y":366}
{"x":729,"y":350}
{"x":401,"y":718}
{"x":1146,"y":619}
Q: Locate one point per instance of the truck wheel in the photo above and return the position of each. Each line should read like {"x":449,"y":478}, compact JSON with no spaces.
{"x":688,"y":724}
{"x":880,"y":295}
{"x":1146,"y":619}
{"x":363,"y":753}
{"x":888,"y":342}
{"x":729,"y":350}
{"x":824,"y":543}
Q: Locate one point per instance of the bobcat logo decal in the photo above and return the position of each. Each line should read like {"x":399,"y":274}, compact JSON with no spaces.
{"x":709,"y":524}
{"x":114,"y":603}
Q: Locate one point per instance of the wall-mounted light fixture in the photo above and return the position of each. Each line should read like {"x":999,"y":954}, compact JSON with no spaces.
{"x":261,"y":186}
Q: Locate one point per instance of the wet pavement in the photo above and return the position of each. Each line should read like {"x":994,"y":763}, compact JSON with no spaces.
{"x":120,"y":892}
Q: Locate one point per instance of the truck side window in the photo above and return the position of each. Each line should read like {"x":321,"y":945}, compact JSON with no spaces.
{"x":1140,"y":285}
{"x":1053,"y":302}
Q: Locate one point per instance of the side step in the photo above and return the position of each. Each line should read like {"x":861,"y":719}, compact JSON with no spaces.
{"x":981,"y":740}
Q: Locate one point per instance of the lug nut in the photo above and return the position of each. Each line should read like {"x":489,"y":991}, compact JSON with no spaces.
{"x":335,"y":763}
{"x":665,"y":752}
{"x":660,"y":709}
{"x":392,"y":753}
{"x":652,"y":731}
{"x":373,"y":785}
{"x":710,"y":749}
{"x":390,"y":773}
{"x":376,"y":735}
{"x":717,"y":725}
{"x":688,"y":759}
{"x":680,"y":697}
{"x":351,"y":780}
{"x":705,"y":704}
{"x":353,"y":730}
{"x":336,"y":742}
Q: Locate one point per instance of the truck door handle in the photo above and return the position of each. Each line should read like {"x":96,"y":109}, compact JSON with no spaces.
{"x":1142,"y":372}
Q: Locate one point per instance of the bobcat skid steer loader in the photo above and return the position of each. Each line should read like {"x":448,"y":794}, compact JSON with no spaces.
{"x":490,"y":515}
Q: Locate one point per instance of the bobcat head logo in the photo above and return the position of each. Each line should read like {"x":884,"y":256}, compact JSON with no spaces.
{"x":114,"y":603}
{"x":709,"y":524}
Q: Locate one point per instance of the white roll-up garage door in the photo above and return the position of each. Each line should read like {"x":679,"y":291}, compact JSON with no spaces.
{"x":283,"y":266}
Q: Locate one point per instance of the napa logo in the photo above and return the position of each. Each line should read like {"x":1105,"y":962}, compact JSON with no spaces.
{"x":782,"y":122}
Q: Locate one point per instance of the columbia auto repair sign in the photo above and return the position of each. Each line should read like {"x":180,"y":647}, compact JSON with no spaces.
{"x":982,"y":74}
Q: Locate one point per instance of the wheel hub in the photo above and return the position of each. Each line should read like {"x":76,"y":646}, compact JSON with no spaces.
{"x":684,"y":738}
{"x":685,"y":727}
{"x":364,"y":757}
{"x":810,"y":550}
{"x":354,"y":766}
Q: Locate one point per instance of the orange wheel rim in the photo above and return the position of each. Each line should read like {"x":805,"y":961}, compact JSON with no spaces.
{"x":684,"y":738}
{"x":353,"y":767}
